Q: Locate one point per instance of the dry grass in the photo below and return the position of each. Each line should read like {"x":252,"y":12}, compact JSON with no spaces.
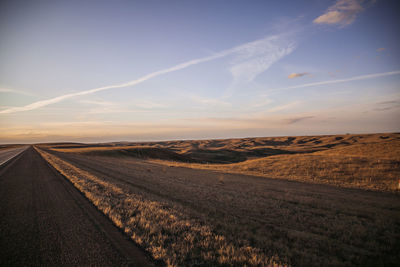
{"x":374,"y":166}
{"x":160,"y":227}
{"x":85,"y":150}
{"x":344,"y":171}
{"x":233,"y":150}
{"x":369,"y":161}
{"x":190,"y":214}
{"x":6,"y":147}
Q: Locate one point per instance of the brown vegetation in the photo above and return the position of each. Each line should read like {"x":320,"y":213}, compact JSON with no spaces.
{"x":161,"y":228}
{"x":362,"y":161}
{"x":188,"y":216}
{"x":328,"y":167}
{"x":6,"y":147}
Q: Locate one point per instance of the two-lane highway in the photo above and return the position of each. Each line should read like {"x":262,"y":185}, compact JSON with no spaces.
{"x":47,"y":221}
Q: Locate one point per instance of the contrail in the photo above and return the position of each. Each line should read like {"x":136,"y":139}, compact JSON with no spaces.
{"x":6,"y":90}
{"x":253,"y":47}
{"x":46,"y":102}
{"x":244,"y":47}
{"x":356,"y":78}
{"x":250,"y":47}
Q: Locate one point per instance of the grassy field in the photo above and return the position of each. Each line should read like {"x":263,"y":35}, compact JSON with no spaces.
{"x":165,"y":230}
{"x":187,"y":211}
{"x":6,"y":147}
{"x":360,"y":161}
{"x":367,"y":166}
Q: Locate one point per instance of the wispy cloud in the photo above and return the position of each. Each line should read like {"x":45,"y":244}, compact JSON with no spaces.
{"x":344,"y":12}
{"x":103,"y":107}
{"x":356,"y":78}
{"x":297,"y":75}
{"x":253,"y":58}
{"x":7,"y":90}
{"x":388,"y":105}
{"x":43,"y":103}
{"x":264,"y":101}
{"x":285,"y":106}
{"x":250,"y":122}
{"x":147,"y":104}
{"x":98,"y":103}
{"x":297,"y":119}
{"x":210,"y":101}
{"x":140,"y":105}
{"x":256,"y":57}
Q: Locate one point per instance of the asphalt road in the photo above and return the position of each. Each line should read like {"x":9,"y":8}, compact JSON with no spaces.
{"x":46,"y":221}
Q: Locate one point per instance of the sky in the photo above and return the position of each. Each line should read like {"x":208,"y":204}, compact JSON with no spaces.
{"x":102,"y":71}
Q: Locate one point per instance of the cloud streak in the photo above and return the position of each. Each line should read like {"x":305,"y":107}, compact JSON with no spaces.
{"x":256,"y":57}
{"x":43,"y":103}
{"x":388,"y":105}
{"x":356,"y":78}
{"x":249,"y":65}
{"x":209,"y":102}
{"x":6,"y":90}
{"x":297,"y":75}
{"x":343,"y":13}
{"x":285,"y":106}
{"x":297,"y":119}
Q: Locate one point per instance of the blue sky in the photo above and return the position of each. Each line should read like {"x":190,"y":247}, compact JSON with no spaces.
{"x":156,"y":70}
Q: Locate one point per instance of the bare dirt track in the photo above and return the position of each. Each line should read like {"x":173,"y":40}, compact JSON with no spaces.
{"x":46,"y":221}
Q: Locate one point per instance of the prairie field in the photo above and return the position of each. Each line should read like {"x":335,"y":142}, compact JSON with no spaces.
{"x":283,"y":201}
{"x":369,"y":161}
{"x":11,"y":146}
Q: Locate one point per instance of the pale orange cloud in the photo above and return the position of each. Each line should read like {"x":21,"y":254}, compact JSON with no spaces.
{"x":296,"y":75}
{"x":344,"y":12}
